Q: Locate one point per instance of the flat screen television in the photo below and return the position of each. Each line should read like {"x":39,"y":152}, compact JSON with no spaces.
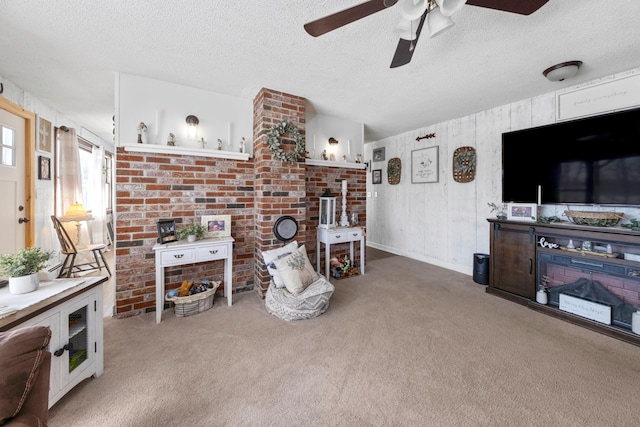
{"x":590,"y":161}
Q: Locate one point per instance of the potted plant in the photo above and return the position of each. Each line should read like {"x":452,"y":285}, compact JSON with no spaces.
{"x":501,"y":211}
{"x":22,"y":268}
{"x":192,"y":232}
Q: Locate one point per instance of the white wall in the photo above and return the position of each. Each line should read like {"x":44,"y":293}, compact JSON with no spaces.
{"x":164,"y":106}
{"x":321,"y":127}
{"x":44,"y":190}
{"x":445,"y":223}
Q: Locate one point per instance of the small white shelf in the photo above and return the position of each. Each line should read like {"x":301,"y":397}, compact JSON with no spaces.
{"x":167,"y":149}
{"x":336,"y":164}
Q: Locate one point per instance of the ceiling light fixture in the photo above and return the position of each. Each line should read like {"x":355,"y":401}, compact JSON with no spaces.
{"x":439,"y":14}
{"x":564,"y":70}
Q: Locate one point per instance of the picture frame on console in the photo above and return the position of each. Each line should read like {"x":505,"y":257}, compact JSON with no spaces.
{"x":522,"y":212}
{"x":217,"y":225}
{"x":167,"y":231}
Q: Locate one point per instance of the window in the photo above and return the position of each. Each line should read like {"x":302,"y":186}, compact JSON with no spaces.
{"x":7,"y":146}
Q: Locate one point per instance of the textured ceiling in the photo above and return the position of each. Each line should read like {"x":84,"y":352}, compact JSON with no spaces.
{"x":65,"y":53}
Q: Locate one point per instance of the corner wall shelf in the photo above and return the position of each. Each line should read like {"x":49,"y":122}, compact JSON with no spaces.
{"x":335,"y":164}
{"x":166,"y":149}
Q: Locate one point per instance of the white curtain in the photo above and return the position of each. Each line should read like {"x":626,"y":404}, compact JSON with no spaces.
{"x":95,"y":193}
{"x":70,"y":186}
{"x":69,"y":173}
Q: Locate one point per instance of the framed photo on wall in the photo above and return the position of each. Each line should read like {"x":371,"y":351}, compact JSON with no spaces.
{"x":167,"y":231}
{"x":44,"y":139}
{"x":376,"y":176}
{"x":217,"y":225}
{"x":378,"y":154}
{"x":424,"y":165}
{"x":44,"y":168}
{"x":522,"y":212}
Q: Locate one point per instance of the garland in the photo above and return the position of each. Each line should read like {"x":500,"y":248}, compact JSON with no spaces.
{"x":273,"y":142}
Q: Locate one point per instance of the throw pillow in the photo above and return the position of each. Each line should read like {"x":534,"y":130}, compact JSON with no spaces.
{"x":274,"y":254}
{"x":296,"y":271}
{"x":22,"y":352}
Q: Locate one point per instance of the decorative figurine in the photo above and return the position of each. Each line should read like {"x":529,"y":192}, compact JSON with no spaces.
{"x":242,"y":142}
{"x":324,"y":155}
{"x":358,"y":158}
{"x":219,"y":144}
{"x":203,"y":142}
{"x":142,"y":129}
{"x":171,"y":140}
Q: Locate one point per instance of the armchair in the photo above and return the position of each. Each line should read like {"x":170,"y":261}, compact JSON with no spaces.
{"x":25,"y":365}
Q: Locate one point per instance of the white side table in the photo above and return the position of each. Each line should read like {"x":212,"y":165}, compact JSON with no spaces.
{"x":332,"y":236}
{"x":183,"y":252}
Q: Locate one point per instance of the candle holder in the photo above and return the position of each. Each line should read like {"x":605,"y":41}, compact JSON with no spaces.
{"x":344,"y":219}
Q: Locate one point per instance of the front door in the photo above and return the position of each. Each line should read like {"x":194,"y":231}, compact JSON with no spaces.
{"x":13,"y":207}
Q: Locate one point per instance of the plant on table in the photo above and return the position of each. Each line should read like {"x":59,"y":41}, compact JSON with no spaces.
{"x":192,"y":229}
{"x":24,"y":262}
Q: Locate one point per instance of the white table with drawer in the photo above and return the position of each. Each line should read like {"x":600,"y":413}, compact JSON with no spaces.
{"x":332,"y":236}
{"x":183,"y":252}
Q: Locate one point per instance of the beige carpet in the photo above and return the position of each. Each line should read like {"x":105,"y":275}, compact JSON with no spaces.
{"x":405,"y":344}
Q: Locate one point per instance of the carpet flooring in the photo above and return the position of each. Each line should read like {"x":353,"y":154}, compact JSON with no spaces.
{"x":406,"y":344}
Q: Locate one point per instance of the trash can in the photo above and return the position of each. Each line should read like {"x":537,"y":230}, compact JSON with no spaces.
{"x":481,"y":268}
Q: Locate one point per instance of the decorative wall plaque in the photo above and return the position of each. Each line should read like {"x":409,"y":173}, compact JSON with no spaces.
{"x":464,"y":164}
{"x":394,"y":170}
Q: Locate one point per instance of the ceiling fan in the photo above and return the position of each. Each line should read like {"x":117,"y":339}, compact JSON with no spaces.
{"x":414,"y":13}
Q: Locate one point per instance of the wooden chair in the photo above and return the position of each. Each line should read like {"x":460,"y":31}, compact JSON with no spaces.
{"x":70,"y":251}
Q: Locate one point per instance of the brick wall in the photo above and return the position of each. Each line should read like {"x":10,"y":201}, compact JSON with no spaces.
{"x":154,"y":186}
{"x":319,"y":178}
{"x":280,"y":186}
{"x":255,"y":193}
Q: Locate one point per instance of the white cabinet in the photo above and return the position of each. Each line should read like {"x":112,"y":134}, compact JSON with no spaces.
{"x":74,"y":316}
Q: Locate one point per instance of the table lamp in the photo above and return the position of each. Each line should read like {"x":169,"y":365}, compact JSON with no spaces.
{"x":77,"y":213}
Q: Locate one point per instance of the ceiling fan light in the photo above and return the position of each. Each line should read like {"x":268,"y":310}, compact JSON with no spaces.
{"x":413,"y":9}
{"x":564,"y":70}
{"x":407,"y":29}
{"x":449,"y":7}
{"x":437,"y":22}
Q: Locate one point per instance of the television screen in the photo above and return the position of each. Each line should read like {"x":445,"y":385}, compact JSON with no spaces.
{"x":588,"y":161}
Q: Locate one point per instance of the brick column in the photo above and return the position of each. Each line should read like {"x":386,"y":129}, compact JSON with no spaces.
{"x":279,"y":186}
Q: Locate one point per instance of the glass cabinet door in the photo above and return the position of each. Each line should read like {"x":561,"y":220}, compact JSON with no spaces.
{"x":78,"y":343}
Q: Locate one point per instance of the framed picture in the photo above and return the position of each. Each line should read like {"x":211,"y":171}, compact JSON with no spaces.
{"x":522,"y":212}
{"x":424,"y":165}
{"x":217,"y":225}
{"x":44,"y":136}
{"x":378,"y":154}
{"x":167,"y":231}
{"x":377,"y":176}
{"x":44,"y":168}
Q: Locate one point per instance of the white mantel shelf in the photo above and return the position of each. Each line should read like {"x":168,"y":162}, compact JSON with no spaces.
{"x":186,"y":151}
{"x":335,"y":164}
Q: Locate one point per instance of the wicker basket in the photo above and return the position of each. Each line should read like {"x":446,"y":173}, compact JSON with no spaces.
{"x":193,"y":304}
{"x":598,"y":219}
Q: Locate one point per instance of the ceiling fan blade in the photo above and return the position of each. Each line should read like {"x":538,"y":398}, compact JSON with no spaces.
{"x":331,"y":22}
{"x":404,"y":52}
{"x":522,"y":7}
